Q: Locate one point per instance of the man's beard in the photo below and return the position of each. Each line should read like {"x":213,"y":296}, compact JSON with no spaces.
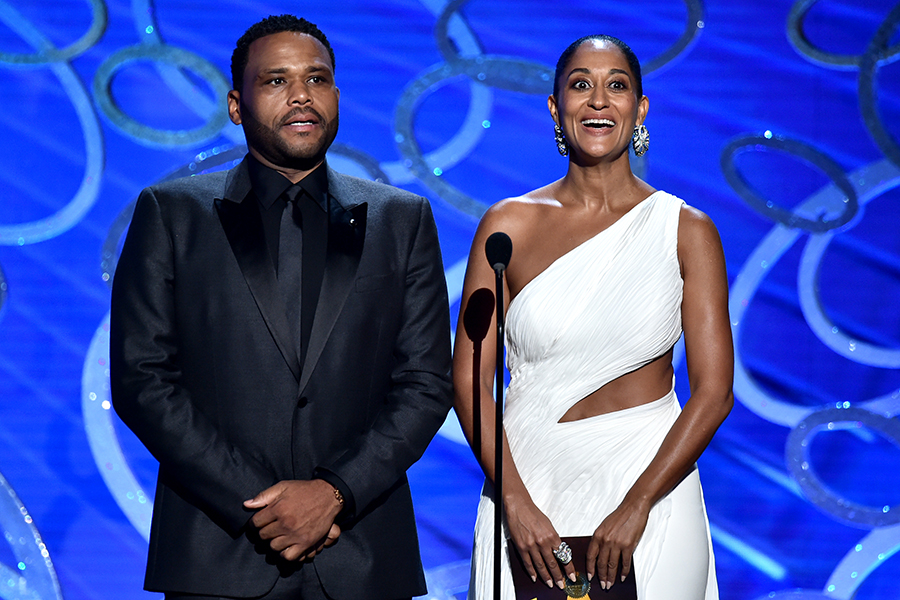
{"x":277,"y":151}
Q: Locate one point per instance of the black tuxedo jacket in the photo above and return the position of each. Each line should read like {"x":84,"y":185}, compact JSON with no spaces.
{"x":203,"y":369}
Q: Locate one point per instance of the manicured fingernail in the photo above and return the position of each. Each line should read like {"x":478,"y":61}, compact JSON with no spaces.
{"x":572,"y":577}
{"x":590,"y":576}
{"x":623,"y":578}
{"x":602,"y":585}
{"x":533,"y":578}
{"x":560,"y":584}
{"x":549,"y":583}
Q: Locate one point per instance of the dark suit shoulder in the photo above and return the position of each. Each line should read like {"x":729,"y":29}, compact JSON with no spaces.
{"x":205,"y":185}
{"x":357,"y":190}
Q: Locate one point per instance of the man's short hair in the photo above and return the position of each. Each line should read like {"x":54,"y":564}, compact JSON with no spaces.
{"x":268,"y":26}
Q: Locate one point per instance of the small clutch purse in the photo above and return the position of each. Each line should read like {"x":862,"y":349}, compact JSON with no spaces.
{"x":526,"y":589}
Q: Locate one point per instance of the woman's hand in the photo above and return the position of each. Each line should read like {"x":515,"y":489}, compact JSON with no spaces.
{"x":614,"y":540}
{"x":536,"y":539}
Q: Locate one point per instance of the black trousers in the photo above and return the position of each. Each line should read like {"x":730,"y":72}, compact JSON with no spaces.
{"x":300,"y":585}
{"x":303,"y":584}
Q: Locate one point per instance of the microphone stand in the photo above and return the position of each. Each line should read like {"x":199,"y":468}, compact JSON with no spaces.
{"x":498,"y":429}
{"x":498,"y":249}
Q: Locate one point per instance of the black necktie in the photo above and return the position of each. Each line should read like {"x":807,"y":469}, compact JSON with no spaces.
{"x":290,"y":254}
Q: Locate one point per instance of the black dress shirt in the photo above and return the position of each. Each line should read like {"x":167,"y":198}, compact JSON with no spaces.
{"x":269,"y":186}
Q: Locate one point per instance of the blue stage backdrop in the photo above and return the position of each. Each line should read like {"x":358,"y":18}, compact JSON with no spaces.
{"x":779,"y":119}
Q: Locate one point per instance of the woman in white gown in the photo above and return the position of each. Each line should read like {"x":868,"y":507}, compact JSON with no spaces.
{"x":605,"y":276}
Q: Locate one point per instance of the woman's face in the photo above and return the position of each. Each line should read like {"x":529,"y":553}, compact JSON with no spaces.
{"x":597,"y":106}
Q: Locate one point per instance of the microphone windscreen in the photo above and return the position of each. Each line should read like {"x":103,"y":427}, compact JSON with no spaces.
{"x":498,"y":249}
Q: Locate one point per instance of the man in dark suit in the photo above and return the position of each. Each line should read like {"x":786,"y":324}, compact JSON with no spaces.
{"x":280,"y":342}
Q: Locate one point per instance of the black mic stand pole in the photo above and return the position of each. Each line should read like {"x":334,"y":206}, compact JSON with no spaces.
{"x":498,"y":431}
{"x":498,"y":249}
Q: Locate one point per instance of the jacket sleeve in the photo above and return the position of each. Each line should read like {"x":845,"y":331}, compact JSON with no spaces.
{"x":420,"y":393}
{"x":146,"y":379}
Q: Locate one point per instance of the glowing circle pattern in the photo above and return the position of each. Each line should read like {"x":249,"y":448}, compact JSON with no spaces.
{"x":846,"y":62}
{"x":34,"y":577}
{"x":846,"y":209}
{"x":96,"y":409}
{"x":165,"y":54}
{"x":801,"y":468}
{"x":47,"y":228}
{"x":868,"y":101}
{"x":46,"y":52}
{"x":842,"y":202}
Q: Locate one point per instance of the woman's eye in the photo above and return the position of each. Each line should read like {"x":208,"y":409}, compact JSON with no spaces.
{"x":581,"y":85}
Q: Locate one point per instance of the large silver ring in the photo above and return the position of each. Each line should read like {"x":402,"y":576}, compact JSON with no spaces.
{"x":563,"y":554}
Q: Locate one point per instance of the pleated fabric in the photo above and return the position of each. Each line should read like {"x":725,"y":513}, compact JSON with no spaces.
{"x":606,"y":308}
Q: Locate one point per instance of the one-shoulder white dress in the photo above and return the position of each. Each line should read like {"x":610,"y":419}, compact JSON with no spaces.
{"x":606,"y":308}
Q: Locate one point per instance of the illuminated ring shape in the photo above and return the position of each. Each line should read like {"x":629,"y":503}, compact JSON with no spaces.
{"x":683,"y":44}
{"x":872,"y":180}
{"x":149,"y":135}
{"x":797,"y":459}
{"x":29,"y":581}
{"x":404,"y":118}
{"x":96,"y":409}
{"x":143,"y":15}
{"x":472,"y":128}
{"x":64,"y":219}
{"x":868,"y":103}
{"x":517,"y":78}
{"x":823,"y":327}
{"x":866,"y":556}
{"x":49,"y":54}
{"x":843,"y":62}
{"x":496,"y":71}
{"x":780,"y":215}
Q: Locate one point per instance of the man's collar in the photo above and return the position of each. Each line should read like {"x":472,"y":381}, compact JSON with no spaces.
{"x":268,"y":184}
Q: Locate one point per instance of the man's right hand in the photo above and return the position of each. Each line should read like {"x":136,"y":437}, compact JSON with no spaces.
{"x":297,"y":517}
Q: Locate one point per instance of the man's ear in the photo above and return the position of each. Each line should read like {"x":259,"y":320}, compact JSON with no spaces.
{"x":234,"y":106}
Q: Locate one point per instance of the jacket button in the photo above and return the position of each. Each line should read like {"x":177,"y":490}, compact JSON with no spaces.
{"x":302,"y":401}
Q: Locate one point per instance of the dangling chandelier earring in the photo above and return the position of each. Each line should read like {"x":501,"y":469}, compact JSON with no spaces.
{"x":561,"y":144}
{"x":640,"y":140}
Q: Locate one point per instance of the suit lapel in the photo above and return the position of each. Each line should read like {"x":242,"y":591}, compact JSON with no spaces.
{"x":242,"y":224}
{"x":346,"y":236}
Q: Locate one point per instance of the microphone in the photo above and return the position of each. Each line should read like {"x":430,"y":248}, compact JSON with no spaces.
{"x":498,"y":249}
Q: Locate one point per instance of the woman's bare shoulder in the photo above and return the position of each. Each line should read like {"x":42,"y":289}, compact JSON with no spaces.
{"x":519,"y":212}
{"x":698,"y":238}
{"x":695,"y":225}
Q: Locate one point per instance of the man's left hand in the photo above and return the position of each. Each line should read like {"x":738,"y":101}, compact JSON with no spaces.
{"x":297,"y":517}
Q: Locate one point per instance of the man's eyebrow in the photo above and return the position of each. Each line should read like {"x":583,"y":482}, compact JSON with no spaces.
{"x":273,"y":71}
